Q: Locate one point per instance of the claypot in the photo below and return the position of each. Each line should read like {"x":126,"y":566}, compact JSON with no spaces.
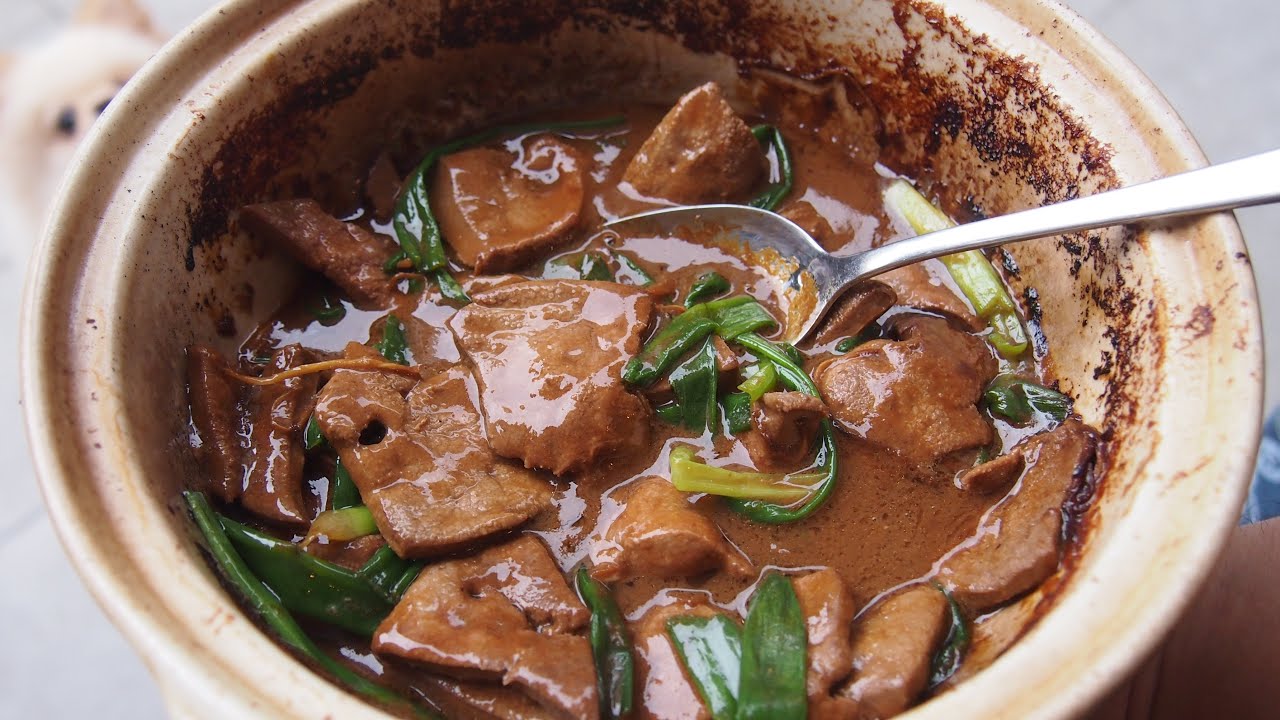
{"x":1008,"y":103}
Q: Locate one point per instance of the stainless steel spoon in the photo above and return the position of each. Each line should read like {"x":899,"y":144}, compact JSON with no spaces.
{"x":1253,"y":180}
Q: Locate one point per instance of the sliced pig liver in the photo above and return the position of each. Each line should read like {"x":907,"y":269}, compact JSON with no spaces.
{"x":504,"y":614}
{"x":660,"y":535}
{"x":1019,"y":543}
{"x":548,"y":355}
{"x":215,"y":413}
{"x":917,"y":286}
{"x":893,"y":647}
{"x":701,"y":152}
{"x":274,"y":456}
{"x":431,"y":481}
{"x":350,"y":256}
{"x":918,"y":395}
{"x":828,"y":610}
{"x":858,"y":308}
{"x":500,"y":212}
{"x":784,"y":427}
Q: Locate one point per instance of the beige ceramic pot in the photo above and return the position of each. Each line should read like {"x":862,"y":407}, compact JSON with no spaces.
{"x":1010,"y":103}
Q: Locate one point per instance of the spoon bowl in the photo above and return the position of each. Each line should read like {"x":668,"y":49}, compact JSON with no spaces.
{"x":1254,"y":180}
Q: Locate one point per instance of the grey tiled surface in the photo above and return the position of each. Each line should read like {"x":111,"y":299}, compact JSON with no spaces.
{"x":61,"y":657}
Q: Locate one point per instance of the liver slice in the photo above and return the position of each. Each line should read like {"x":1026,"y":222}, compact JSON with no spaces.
{"x":476,"y":699}
{"x":215,"y":415}
{"x":1018,"y":543}
{"x":548,"y":355}
{"x":660,"y":535}
{"x":250,"y":437}
{"x":893,"y":647}
{"x":274,"y":456}
{"x":828,"y":610}
{"x":503,"y":614}
{"x":347,"y":254}
{"x":993,"y":476}
{"x":701,"y":152}
{"x":431,"y":482}
{"x":916,"y":286}
{"x":858,"y":308}
{"x":500,"y":212}
{"x":783,"y":430}
{"x":917,"y":396}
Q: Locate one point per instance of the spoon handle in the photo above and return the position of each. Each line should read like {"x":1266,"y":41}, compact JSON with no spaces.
{"x":1254,"y":180}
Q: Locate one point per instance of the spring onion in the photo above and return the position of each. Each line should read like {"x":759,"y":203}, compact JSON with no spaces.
{"x":971,"y":270}
{"x":581,"y":266}
{"x":737,"y":412}
{"x":312,"y":436}
{"x":329,"y":312}
{"x":793,"y":377}
{"x":1017,"y":399}
{"x":710,"y":648}
{"x":269,"y":607}
{"x":761,"y":378}
{"x":344,"y":493}
{"x":272,"y":610}
{"x":870,"y":332}
{"x":771,"y":683}
{"x":393,"y":346}
{"x":707,"y":286}
{"x":306,"y":584}
{"x":947,"y":660}
{"x":342,"y":525}
{"x":449,"y":287}
{"x":611,"y":646}
{"x":631,"y":271}
{"x":688,"y":474}
{"x":729,"y":318}
{"x":780,"y":186}
{"x":694,"y":382}
{"x":389,"y":574}
{"x":670,"y":413}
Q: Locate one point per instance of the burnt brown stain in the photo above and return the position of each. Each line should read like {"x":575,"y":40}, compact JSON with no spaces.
{"x":257,"y":150}
{"x":225,"y":324}
{"x":1201,"y":323}
{"x":1035,"y":320}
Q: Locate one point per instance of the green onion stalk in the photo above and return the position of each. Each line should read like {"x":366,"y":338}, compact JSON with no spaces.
{"x":971,"y":270}
{"x":611,"y":647}
{"x":755,"y":671}
{"x":222,"y":537}
{"x":710,"y":648}
{"x":728,"y":318}
{"x":393,"y":346}
{"x":778,"y":190}
{"x":1017,"y":399}
{"x":825,"y":471}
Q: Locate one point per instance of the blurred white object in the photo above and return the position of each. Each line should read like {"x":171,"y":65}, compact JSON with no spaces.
{"x":50,"y":95}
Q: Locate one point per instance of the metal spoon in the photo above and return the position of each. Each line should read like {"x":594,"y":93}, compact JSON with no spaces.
{"x":1253,"y":180}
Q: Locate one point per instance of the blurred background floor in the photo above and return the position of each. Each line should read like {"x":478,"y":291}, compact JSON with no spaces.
{"x":63,"y":659}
